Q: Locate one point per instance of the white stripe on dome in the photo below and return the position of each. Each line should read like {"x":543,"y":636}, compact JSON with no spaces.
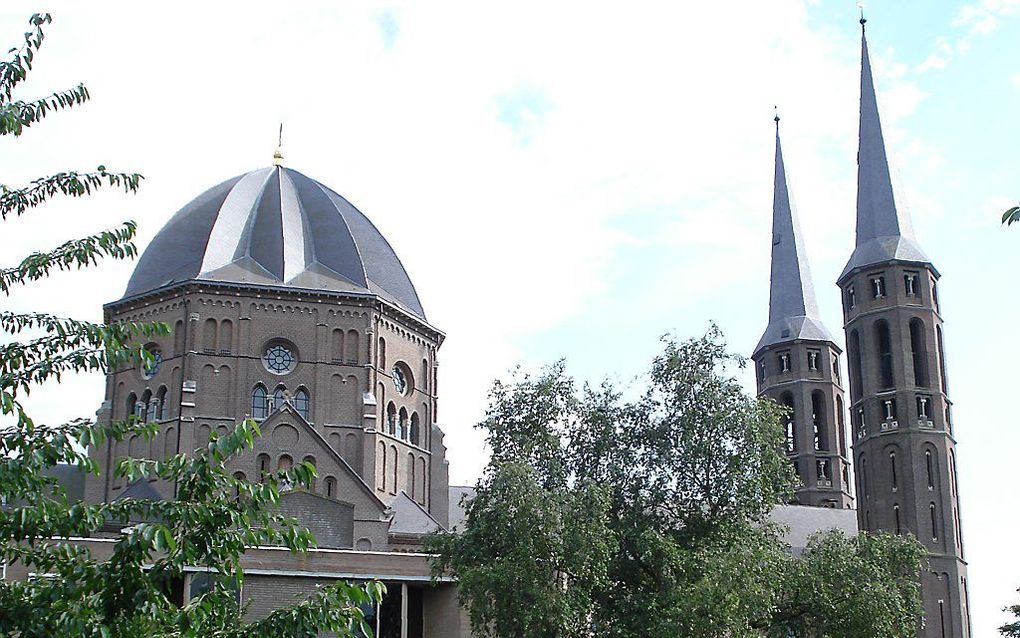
{"x":229,"y":228}
{"x":295,"y":248}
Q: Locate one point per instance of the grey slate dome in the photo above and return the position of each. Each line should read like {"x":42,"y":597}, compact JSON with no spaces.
{"x":275,"y":227}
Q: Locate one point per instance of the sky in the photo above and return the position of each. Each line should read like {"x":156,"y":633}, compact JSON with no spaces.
{"x":567,"y":179}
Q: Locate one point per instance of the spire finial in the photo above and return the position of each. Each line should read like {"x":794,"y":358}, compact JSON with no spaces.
{"x":278,"y":155}
{"x":860,"y":5}
{"x":776,"y":118}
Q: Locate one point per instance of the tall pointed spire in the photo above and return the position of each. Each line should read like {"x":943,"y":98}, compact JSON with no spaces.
{"x":793,"y":310}
{"x":883,"y":230}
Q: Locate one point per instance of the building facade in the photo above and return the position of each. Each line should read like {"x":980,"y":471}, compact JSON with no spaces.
{"x":289,"y":307}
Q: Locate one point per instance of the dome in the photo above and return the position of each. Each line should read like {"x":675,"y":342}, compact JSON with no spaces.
{"x":275,"y":227}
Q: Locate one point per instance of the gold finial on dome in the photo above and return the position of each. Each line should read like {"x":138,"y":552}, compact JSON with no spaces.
{"x":278,"y":155}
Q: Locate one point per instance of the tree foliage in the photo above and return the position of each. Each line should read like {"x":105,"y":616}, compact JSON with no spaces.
{"x":1011,"y":216}
{"x":213,"y":517}
{"x":1012,"y":629}
{"x":599,"y":515}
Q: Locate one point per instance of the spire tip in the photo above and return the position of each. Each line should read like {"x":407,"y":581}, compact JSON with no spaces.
{"x":863,"y":20}
{"x":278,"y":155}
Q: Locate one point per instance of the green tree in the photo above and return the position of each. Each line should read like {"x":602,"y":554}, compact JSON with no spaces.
{"x":1012,"y":630}
{"x":1011,"y":216}
{"x":650,"y":517}
{"x":212,"y":519}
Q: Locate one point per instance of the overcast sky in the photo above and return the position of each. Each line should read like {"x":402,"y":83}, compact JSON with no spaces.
{"x":568,"y":179}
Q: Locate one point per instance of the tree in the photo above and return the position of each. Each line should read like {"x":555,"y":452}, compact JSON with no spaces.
{"x":213,"y":518}
{"x":650,"y":517}
{"x":1011,"y":216}
{"x":1012,"y":630}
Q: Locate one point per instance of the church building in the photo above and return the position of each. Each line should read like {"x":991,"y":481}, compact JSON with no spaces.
{"x":288,"y":306}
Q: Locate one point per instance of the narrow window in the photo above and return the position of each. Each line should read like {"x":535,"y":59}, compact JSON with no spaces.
{"x":846,"y":477}
{"x":415,"y":430}
{"x":391,"y":419}
{"x":812,"y":359}
{"x":279,"y":398}
{"x":896,"y":515}
{"x":942,"y":617}
{"x":835,"y":367}
{"x":922,"y":407}
{"x":818,"y":420}
{"x":209,"y":336}
{"x":791,"y":420}
{"x":952,"y":473}
{"x":928,"y":467}
{"x":330,"y":486}
{"x":226,"y":336}
{"x":864,"y":479}
{"x":878,"y":287}
{"x":883,"y":343}
{"x":890,"y":409}
{"x":934,"y":524}
{"x":259,"y":403}
{"x":851,"y":298}
{"x":841,"y":425}
{"x":761,"y":372}
{"x":338,"y":345}
{"x":824,"y":472}
{"x":382,"y":353}
{"x":303,"y":403}
{"x":942,"y":359}
{"x":382,"y":453}
{"x":910,"y":284}
{"x":393,"y":453}
{"x":161,"y":403}
{"x":856,"y":377}
{"x":784,"y":362}
{"x":263,"y":465}
{"x":949,"y":421}
{"x":862,"y":426}
{"x":892,"y":470}
{"x":402,"y":424}
{"x":919,"y":352}
{"x":935,"y":295}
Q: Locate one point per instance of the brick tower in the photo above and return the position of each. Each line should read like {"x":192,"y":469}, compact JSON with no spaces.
{"x":797,"y":362}
{"x":904,"y":449}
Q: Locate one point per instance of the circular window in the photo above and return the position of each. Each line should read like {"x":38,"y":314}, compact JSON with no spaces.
{"x":279,"y":358}
{"x":402,"y":381}
{"x":150,"y":368}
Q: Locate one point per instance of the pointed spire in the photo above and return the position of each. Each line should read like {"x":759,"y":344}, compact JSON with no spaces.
{"x":883,"y":230}
{"x":793,"y":309}
{"x":278,"y":155}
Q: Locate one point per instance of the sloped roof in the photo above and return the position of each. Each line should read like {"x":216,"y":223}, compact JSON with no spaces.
{"x":411,"y":518}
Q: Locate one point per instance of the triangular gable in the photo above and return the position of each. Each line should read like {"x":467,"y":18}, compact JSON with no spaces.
{"x":287,"y":411}
{"x":411,"y":518}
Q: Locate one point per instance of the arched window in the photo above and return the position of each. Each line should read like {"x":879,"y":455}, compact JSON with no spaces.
{"x":382,"y":354}
{"x":382,"y":455}
{"x":263,"y":465}
{"x":942,"y":359}
{"x":410,"y":475}
{"x":791,"y":422}
{"x":854,"y":361}
{"x":145,"y":406}
{"x":391,"y":419}
{"x":864,"y":479}
{"x":129,"y":405}
{"x":841,"y":425}
{"x":338,"y":345}
{"x":415,"y":430}
{"x":896,"y":517}
{"x":330,"y":486}
{"x":883,"y":344}
{"x":179,"y":338}
{"x":259,"y":403}
{"x":952,"y":473}
{"x":892,"y":470}
{"x":425,"y":375}
{"x":311,"y":461}
{"x":818,"y":420}
{"x":161,"y":403}
{"x":209,"y":336}
{"x":169,"y":443}
{"x":919,"y":352}
{"x":394,"y":469}
{"x":421,"y":480}
{"x":928,"y":467}
{"x":284,"y":462}
{"x":351,"y":346}
{"x":240,"y":476}
{"x":402,"y":424}
{"x":226,"y":336}
{"x":302,"y":403}
{"x":152,"y":405}
{"x":934,"y":522}
{"x":279,"y":398}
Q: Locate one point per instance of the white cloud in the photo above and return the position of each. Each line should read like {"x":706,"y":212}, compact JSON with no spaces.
{"x":974,"y":20}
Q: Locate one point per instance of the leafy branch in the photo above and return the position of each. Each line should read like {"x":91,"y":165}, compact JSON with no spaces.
{"x":71,"y":184}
